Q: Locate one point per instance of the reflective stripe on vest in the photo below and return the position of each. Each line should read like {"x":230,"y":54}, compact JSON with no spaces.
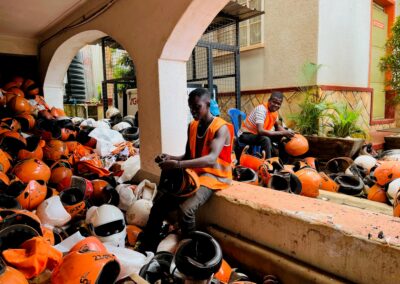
{"x":220,"y":175}
{"x":269,"y":121}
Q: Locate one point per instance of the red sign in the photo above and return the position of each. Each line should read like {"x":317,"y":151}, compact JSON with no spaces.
{"x":378,"y":24}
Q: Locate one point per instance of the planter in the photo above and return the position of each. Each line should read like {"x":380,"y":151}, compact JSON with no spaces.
{"x":392,"y":142}
{"x":326,"y":148}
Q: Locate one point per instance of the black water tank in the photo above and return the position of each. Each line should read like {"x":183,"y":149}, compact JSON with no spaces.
{"x":75,"y":88}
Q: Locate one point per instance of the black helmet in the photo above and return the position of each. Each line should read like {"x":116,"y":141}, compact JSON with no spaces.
{"x":158,"y":268}
{"x":198,"y":257}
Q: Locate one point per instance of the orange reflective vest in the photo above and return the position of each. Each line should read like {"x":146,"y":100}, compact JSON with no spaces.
{"x":218,"y":176}
{"x":269,"y":122}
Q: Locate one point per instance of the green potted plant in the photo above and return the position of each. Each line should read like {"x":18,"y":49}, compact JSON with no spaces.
{"x":330,"y":128}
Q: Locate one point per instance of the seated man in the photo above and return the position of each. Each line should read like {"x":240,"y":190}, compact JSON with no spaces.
{"x":208,"y":153}
{"x":261,"y":127}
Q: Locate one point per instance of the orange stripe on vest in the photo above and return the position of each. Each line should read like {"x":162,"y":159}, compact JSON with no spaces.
{"x":220,"y":175}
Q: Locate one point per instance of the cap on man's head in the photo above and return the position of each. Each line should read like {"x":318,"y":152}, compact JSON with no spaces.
{"x":276,"y":94}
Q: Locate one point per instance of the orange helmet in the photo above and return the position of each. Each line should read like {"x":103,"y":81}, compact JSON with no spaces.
{"x":79,"y":182}
{"x":71,"y":145}
{"x":300,"y":165}
{"x":377,"y":193}
{"x":312,"y":162}
{"x":33,"y":149}
{"x":224,"y":273}
{"x":180,"y":182}
{"x":11,"y":275}
{"x":86,"y":267}
{"x":30,"y":88}
{"x":29,"y":194}
{"x":73,"y":200}
{"x":16,"y":91}
{"x":264,"y":173}
{"x":67,"y":134}
{"x":249,"y":161}
{"x":103,"y":193}
{"x":32,"y":169}
{"x":350,"y":184}
{"x":5,"y":164}
{"x":245,"y":175}
{"x":327,"y":183}
{"x":10,"y":123}
{"x":310,"y":182}
{"x":60,"y":170}
{"x":55,"y":150}
{"x":133,"y":232}
{"x":288,"y":168}
{"x":386,"y":172}
{"x":57,"y":112}
{"x":338,"y":165}
{"x":12,"y":141}
{"x":297,"y":145}
{"x":19,"y":105}
{"x":27,"y":121}
{"x":91,"y":243}
{"x":284,"y":181}
{"x":276,"y":163}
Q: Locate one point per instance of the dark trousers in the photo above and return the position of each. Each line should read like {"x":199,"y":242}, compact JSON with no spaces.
{"x":266,"y":144}
{"x":163,"y":204}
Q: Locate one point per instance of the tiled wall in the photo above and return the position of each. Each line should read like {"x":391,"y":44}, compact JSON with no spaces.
{"x":355,"y":99}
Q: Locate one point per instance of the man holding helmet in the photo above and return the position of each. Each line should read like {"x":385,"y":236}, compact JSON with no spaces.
{"x":208,"y":154}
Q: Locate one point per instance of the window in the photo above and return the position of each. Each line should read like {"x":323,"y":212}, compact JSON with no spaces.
{"x":251,"y":31}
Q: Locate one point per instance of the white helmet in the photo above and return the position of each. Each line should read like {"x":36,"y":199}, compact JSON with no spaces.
{"x":138,"y":214}
{"x":146,"y":190}
{"x":121,"y":126}
{"x":365,"y":161}
{"x":126,"y":196}
{"x":104,"y":123}
{"x":393,"y":188}
{"x":90,"y":122}
{"x":108,"y":224}
{"x":112,"y":111}
{"x":51,"y":213}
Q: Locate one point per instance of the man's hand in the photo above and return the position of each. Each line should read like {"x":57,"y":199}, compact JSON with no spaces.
{"x":169,"y":164}
{"x":288,"y":133}
{"x":162,"y":158}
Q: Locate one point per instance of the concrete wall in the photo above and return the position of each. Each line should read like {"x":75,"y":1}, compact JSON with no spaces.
{"x":18,"y":45}
{"x":290,"y":40}
{"x":344,"y":42}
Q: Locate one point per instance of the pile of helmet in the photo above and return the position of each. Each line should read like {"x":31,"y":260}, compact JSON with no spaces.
{"x":374,"y":177}
{"x":54,"y":186}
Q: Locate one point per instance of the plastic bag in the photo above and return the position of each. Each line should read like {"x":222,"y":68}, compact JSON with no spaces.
{"x":106,"y":138}
{"x":126,"y":196}
{"x":130,"y":168}
{"x":146,"y":190}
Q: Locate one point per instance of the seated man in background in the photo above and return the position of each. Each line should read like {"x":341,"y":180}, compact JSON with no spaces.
{"x":262,"y":128}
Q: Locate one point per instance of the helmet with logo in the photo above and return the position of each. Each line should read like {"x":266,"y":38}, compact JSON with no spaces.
{"x":310,"y":181}
{"x":87,"y":267}
{"x":29,"y":194}
{"x":73,"y":200}
{"x":198,"y":257}
{"x":55,"y":150}
{"x":33,"y":150}
{"x":60,"y":170}
{"x":89,"y":244}
{"x":179,"y":182}
{"x":297,"y":145}
{"x":327,"y":183}
{"x":250,"y":161}
{"x":52,"y":213}
{"x":245,"y":175}
{"x":107,"y":222}
{"x":32,"y":169}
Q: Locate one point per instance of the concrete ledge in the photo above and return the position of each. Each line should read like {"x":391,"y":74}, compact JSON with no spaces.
{"x":354,"y":244}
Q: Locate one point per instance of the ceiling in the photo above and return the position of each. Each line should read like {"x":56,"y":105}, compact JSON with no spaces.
{"x":27,"y":18}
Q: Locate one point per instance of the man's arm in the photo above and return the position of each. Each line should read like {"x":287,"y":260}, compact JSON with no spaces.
{"x":206,"y":161}
{"x":271,"y":133}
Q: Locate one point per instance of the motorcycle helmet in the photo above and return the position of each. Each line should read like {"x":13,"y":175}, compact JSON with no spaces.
{"x":60,"y":170}
{"x":33,"y":150}
{"x":27,"y":122}
{"x":73,"y":200}
{"x":377,"y":193}
{"x":310,"y":181}
{"x":55,"y":150}
{"x":367,"y":162}
{"x":245,"y":175}
{"x":32,"y":169}
{"x":52,"y":213}
{"x":103,"y":193}
{"x":250,"y":161}
{"x":19,"y":105}
{"x":297,"y":145}
{"x":179,"y":182}
{"x":10,"y":123}
{"x":11,"y":275}
{"x":327,"y":183}
{"x":29,"y":195}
